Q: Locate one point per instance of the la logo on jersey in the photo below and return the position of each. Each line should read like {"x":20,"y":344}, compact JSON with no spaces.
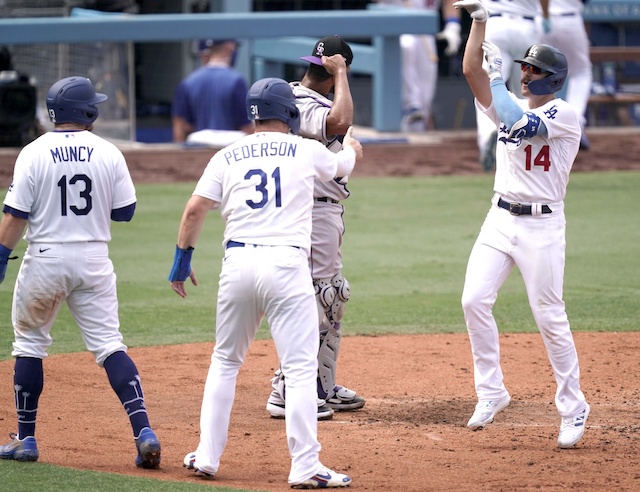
{"x":551,"y":112}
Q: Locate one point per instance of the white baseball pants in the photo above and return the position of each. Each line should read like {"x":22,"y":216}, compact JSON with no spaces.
{"x":80,"y":273}
{"x":274,"y":281}
{"x":536,"y":245}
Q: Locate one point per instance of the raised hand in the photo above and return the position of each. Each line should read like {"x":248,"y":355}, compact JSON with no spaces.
{"x":477,"y":11}
{"x":494,"y":60}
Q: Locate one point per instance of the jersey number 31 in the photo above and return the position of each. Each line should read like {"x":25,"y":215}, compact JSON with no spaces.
{"x":261,"y":187}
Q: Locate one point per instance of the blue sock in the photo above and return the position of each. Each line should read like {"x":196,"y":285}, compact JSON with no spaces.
{"x":125,"y":381}
{"x":28,"y":380}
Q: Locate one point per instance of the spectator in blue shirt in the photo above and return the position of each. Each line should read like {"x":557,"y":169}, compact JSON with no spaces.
{"x":212,"y":97}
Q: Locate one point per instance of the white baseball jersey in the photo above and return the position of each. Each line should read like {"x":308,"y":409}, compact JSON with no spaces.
{"x":533,"y":172}
{"x":536,"y":170}
{"x":314,"y":108}
{"x":516,"y":7}
{"x":256,"y":177}
{"x":414,"y":4}
{"x":559,"y":7}
{"x":264,"y":184}
{"x":513,"y":28}
{"x":569,"y":35}
{"x":68,"y":182}
{"x":419,"y":68}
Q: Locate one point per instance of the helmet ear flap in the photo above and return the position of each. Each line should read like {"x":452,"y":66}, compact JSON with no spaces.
{"x":550,"y":60}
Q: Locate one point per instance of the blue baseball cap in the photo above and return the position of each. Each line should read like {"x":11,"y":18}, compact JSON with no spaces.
{"x":206,"y":44}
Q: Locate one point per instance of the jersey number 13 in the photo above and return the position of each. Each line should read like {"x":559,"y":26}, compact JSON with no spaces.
{"x":84,"y":193}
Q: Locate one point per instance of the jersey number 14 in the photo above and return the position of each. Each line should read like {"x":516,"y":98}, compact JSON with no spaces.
{"x":541,"y":159}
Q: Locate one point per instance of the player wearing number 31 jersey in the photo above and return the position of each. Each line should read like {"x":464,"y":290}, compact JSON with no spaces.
{"x":68,"y":185}
{"x":263,"y":185}
{"x":538,"y":140}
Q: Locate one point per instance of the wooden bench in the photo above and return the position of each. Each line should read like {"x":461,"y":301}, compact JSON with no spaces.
{"x":619,"y":103}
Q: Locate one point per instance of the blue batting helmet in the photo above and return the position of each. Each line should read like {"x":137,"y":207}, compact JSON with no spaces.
{"x":73,"y":100}
{"x":550,"y":60}
{"x":273,"y":99}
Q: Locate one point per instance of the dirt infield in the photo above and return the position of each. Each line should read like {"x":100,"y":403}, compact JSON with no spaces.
{"x":411,"y":435}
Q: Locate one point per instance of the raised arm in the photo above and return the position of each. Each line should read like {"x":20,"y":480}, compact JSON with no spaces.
{"x":340,"y":117}
{"x":473,"y":54}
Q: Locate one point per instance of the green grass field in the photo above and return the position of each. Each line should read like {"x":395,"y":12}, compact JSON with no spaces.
{"x":405,"y":254}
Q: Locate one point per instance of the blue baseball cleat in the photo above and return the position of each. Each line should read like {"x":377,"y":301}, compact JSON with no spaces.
{"x":148,"y":447}
{"x":20,"y":449}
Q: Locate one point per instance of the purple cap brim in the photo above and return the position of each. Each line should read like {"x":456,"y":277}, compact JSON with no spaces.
{"x":312,"y":59}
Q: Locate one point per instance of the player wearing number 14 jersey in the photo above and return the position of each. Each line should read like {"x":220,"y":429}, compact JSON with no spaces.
{"x":538,"y":140}
{"x":68,"y":185}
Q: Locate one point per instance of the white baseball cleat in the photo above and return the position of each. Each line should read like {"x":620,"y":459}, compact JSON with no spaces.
{"x":324,"y":479}
{"x":572,"y":428}
{"x":189,"y":462}
{"x":485,"y":412}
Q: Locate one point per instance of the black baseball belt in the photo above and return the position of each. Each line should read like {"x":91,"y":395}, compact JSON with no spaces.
{"x":519,"y":208}
{"x":525,"y":17}
{"x":237,"y":244}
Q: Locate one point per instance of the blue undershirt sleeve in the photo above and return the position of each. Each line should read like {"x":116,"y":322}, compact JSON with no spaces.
{"x":124,"y":214}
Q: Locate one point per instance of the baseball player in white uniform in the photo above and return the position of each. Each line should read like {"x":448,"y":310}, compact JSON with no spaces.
{"x":538,"y":141}
{"x":564,"y":28}
{"x":420,"y":62}
{"x":263,"y":185}
{"x":68,"y":185}
{"x":513,"y":28}
{"x":326,"y":121}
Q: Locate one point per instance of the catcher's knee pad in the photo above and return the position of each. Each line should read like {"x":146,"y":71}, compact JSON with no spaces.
{"x":327,"y":360}
{"x":332,"y":294}
{"x":325,"y":294}
{"x":343,"y":293}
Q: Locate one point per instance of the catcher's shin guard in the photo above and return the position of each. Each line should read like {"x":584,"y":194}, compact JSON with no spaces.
{"x":336,"y":397}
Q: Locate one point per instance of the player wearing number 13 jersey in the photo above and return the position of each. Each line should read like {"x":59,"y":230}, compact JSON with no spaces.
{"x":538,"y":140}
{"x":67,"y":187}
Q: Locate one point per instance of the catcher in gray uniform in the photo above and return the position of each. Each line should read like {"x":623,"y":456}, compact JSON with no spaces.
{"x":327,"y":121}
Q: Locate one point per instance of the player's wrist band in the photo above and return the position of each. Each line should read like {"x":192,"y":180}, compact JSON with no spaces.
{"x":452,"y":19}
{"x":181,"y":264}
{"x":5,"y":252}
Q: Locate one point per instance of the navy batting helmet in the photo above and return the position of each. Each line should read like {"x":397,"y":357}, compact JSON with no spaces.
{"x":550,"y":60}
{"x":273,"y":99}
{"x":73,"y":100}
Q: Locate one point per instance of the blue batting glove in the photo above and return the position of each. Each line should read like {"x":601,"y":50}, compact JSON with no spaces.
{"x":546,"y":25}
{"x":181,"y":268}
